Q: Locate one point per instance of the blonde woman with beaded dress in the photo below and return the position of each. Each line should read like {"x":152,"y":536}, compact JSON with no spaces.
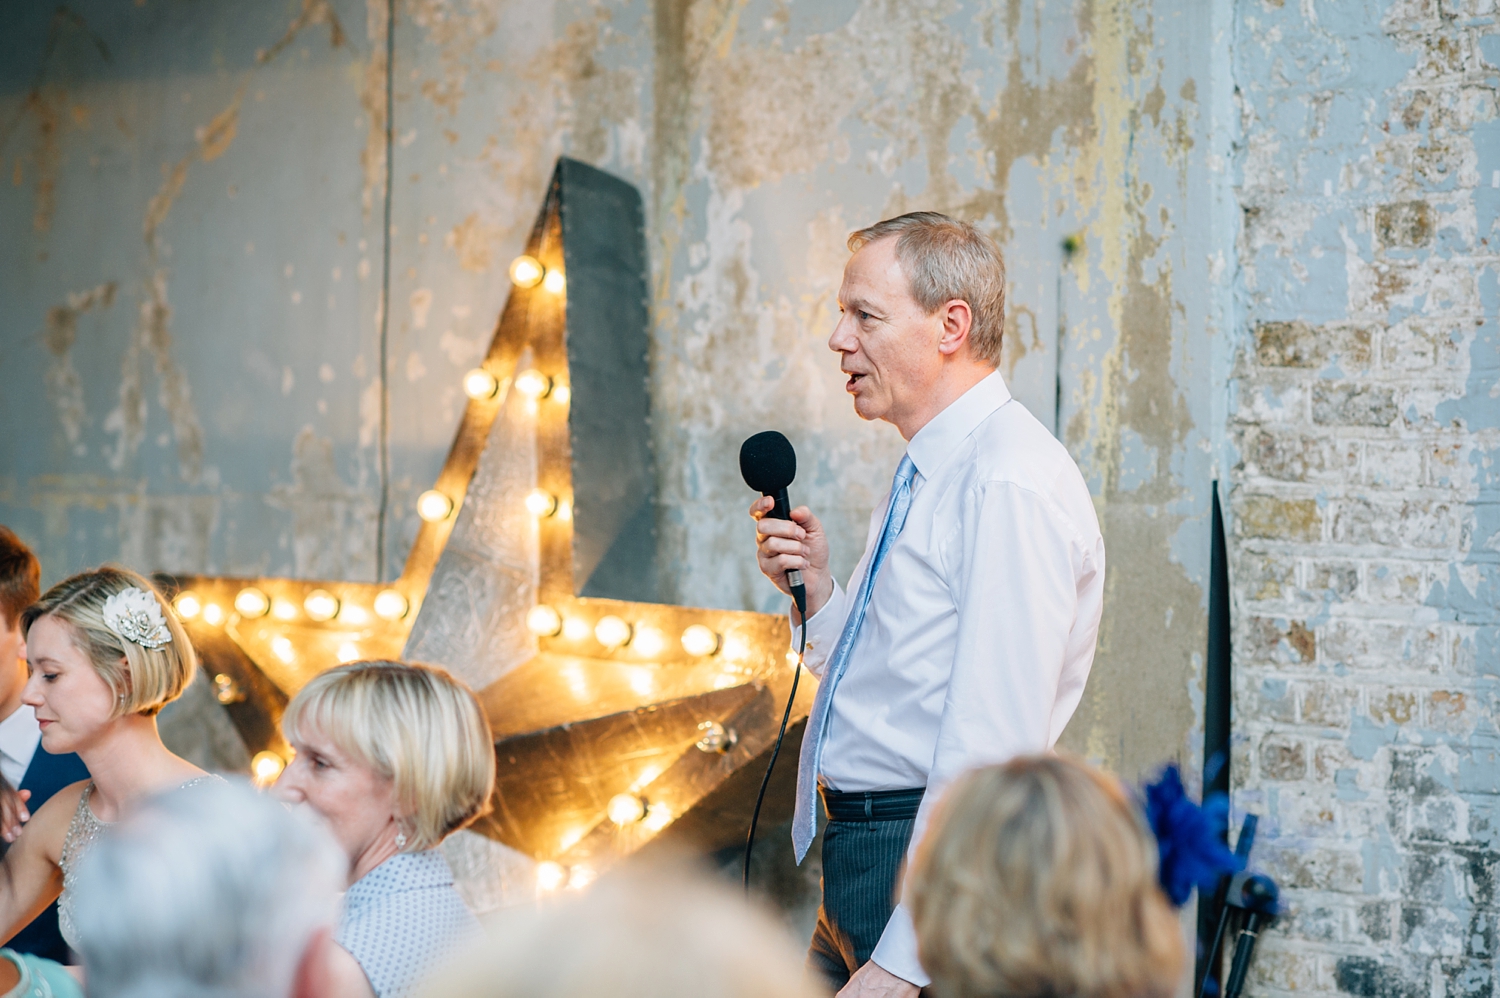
{"x":106,"y":653}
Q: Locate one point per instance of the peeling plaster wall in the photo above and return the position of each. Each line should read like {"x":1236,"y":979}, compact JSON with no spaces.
{"x":1365,"y":423}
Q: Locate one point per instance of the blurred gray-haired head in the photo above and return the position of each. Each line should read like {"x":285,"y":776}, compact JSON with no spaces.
{"x":212,"y":889}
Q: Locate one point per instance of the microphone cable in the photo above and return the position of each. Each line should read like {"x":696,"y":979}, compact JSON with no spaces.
{"x":799,"y":596}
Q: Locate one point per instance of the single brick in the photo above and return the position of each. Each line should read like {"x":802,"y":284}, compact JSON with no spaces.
{"x":1265,"y":576}
{"x":1416,"y":346}
{"x":1341,"y":578}
{"x":1312,"y":868}
{"x":1396,"y":465}
{"x":1349,"y":404}
{"x":1283,"y":758}
{"x":1393,"y":705}
{"x":1286,"y":344}
{"x":1371,"y":644}
{"x":1327,"y":705}
{"x":1405,"y":224}
{"x":1394,"y":581}
{"x":1411,"y":524}
{"x":1449,"y":711}
{"x":1271,"y":640}
{"x":1299,"y":458}
{"x":1278,"y":519}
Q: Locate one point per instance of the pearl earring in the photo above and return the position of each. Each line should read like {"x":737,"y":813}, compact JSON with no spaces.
{"x":400,"y":840}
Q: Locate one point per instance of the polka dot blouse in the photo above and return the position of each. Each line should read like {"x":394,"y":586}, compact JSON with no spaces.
{"x":403,"y":920}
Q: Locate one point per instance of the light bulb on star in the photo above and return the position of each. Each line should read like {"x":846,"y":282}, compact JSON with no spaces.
{"x":480,"y":384}
{"x":434,"y":506}
{"x":555,"y":282}
{"x":550,"y":876}
{"x":526,"y":271}
{"x":321,"y":605}
{"x":626,"y":809}
{"x":533,"y":383}
{"x":612,"y":632}
{"x":390,"y":605}
{"x":543,"y":621}
{"x":700,"y":640}
{"x":266,"y":767}
{"x":541,"y":503}
{"x":188,"y":605}
{"x":252,"y":602}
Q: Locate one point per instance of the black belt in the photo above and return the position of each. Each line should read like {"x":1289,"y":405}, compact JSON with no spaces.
{"x":872,"y":805}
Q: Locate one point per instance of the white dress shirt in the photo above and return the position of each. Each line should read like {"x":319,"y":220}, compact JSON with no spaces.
{"x":981,"y":626}
{"x":19,"y":737}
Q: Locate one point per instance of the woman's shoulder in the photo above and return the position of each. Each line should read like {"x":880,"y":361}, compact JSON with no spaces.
{"x":57,"y":813}
{"x":403,"y":897}
{"x":400,"y":935}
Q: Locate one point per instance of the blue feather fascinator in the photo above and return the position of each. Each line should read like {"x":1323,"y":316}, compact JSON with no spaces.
{"x":1189,"y":837}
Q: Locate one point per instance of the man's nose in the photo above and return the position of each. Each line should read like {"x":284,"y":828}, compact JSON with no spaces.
{"x":841,"y":341}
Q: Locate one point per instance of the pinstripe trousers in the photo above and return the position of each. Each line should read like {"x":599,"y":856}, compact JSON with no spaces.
{"x":861,"y":863}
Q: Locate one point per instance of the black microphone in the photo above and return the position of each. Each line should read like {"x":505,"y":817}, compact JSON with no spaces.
{"x":769,"y":464}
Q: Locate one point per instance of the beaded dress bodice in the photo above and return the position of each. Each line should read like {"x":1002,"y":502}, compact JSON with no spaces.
{"x":83,"y":831}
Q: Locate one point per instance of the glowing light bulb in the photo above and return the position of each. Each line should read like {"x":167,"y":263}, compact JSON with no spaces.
{"x":281,"y":646}
{"x":526,"y":271}
{"x":226,"y":690}
{"x":658,"y":816}
{"x":433,"y":506}
{"x":550,"y":876}
{"x":266,"y":767}
{"x":580,"y":877}
{"x":251,"y":602}
{"x":649,"y":642}
{"x":348,"y":652}
{"x":533,"y":383}
{"x":540,"y":502}
{"x":714,"y":737}
{"x":700,"y":640}
{"x":543,"y":620}
{"x":187,"y":605}
{"x":575,"y":628}
{"x":612,"y":632}
{"x":555,"y":282}
{"x":321,"y":605}
{"x":562,"y":394}
{"x":390,"y":605}
{"x":626,"y":809}
{"x":283,"y":609}
{"x":480,"y":384}
{"x":642,"y":682}
{"x":213,"y":613}
{"x":353,"y":614}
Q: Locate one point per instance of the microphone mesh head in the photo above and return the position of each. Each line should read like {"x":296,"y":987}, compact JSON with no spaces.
{"x":768,"y":462}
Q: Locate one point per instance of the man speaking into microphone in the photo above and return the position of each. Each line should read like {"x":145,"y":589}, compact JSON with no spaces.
{"x":967,"y":629}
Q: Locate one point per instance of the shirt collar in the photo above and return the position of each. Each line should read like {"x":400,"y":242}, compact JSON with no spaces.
{"x":945,"y":431}
{"x":19,"y":734}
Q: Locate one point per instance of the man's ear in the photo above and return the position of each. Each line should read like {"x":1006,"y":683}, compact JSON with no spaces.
{"x":958,"y":320}
{"x":314,"y":977}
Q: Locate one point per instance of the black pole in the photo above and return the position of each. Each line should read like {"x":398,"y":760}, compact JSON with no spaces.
{"x":1216,"y":721}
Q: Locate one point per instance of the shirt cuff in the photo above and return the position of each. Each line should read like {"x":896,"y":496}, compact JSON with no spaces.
{"x":823,"y":630}
{"x":896,"y":953}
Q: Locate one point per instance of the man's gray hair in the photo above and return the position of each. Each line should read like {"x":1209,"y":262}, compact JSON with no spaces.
{"x":210,"y":890}
{"x":946,"y":259}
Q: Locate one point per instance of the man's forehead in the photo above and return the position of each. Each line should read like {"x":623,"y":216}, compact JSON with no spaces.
{"x":873,"y":276}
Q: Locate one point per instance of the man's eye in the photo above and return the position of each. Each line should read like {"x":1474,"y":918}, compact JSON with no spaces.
{"x":864,"y":316}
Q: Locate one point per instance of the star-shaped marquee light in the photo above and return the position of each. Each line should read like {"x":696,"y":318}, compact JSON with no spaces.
{"x":617,"y":724}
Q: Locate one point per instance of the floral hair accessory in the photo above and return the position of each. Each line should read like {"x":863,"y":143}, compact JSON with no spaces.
{"x":136,"y":616}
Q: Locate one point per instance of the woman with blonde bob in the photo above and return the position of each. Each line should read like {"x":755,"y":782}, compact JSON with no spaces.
{"x":106,"y":653}
{"x":395,"y":758}
{"x":1038,"y":879}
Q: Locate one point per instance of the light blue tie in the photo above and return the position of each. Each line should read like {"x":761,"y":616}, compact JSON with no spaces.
{"x":804,"y":817}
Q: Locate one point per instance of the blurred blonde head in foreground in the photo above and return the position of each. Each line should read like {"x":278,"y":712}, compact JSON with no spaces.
{"x":1038,"y":879}
{"x":648,"y":932}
